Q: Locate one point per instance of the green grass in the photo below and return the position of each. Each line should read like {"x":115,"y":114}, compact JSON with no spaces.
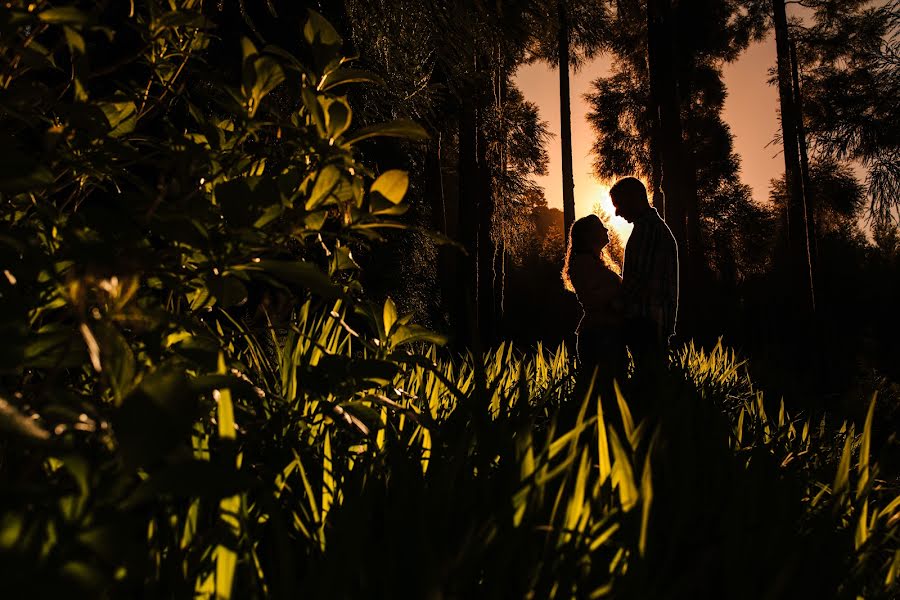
{"x":441,"y":476}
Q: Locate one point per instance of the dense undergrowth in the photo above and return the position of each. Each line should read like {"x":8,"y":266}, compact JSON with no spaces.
{"x":196,"y":398}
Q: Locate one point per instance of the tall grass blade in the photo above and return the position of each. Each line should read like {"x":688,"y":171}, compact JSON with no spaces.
{"x":646,"y":496}
{"x":603,"y":461}
{"x":865,"y":445}
{"x":842,"y":477}
{"x":576,"y":501}
{"x":627,"y":420}
{"x":862,"y":526}
{"x":622,"y":474}
{"x":327,"y":477}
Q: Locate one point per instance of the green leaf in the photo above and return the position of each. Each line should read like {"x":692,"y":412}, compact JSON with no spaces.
{"x":401,"y":128}
{"x":117,"y":359}
{"x":13,"y":422}
{"x":324,"y":41}
{"x":225,"y":406}
{"x":865,"y":449}
{"x":646,"y":496}
{"x":603,"y":461}
{"x":364,"y":412}
{"x":378,"y":205}
{"x":54,"y":347}
{"x":155,"y":418}
{"x":228,"y":291}
{"x":339,"y":77}
{"x":575,"y":508}
{"x":299,"y":273}
{"x":622,"y":473}
{"x":407,"y":334}
{"x":63,"y":14}
{"x":337,"y":117}
{"x":392,"y":185}
{"x":226,"y":568}
{"x":179,"y":18}
{"x":842,"y":476}
{"x":319,"y":32}
{"x":315,"y":110}
{"x":328,"y":488}
{"x":263,"y":76}
{"x":248,"y":49}
{"x":328,"y":178}
{"x":75,"y":41}
{"x":122,"y":117}
{"x":627,"y":420}
{"x":389,"y":316}
{"x":342,"y":259}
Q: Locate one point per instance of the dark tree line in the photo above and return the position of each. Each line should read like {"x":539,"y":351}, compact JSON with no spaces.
{"x":658,"y":114}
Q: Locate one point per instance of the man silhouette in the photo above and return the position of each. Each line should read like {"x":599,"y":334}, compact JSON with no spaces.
{"x":649,"y":276}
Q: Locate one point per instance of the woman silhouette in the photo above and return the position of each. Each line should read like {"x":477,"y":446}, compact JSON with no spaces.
{"x":601,"y":342}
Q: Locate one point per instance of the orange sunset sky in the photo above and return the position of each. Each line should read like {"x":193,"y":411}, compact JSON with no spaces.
{"x":750,"y":110}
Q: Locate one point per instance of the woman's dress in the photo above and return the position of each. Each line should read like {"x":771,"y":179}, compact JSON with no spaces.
{"x":601,"y":341}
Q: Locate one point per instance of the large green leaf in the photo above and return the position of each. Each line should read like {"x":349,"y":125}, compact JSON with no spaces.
{"x":63,"y":14}
{"x":155,"y":418}
{"x":14,"y":423}
{"x":55,"y":347}
{"x":406,"y":334}
{"x":326,"y":182}
{"x":117,"y":359}
{"x":323,"y":39}
{"x":267,"y":75}
{"x":296,"y":273}
{"x":392,"y":185}
{"x":400,"y":128}
{"x":337,"y":117}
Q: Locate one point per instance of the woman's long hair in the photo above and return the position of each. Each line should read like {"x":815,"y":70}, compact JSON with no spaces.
{"x":580,"y":237}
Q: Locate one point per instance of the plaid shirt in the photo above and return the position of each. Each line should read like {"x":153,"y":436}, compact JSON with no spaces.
{"x":650,"y":274}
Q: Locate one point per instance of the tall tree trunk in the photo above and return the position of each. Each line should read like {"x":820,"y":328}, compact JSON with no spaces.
{"x":443,"y":219}
{"x":565,"y":120}
{"x":686,"y":73}
{"x":484,"y":299}
{"x":468,"y":190}
{"x":809,"y":198}
{"x":667,"y":117}
{"x":798,"y":242}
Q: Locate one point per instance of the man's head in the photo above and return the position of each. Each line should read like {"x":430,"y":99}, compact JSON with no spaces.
{"x":629,"y":197}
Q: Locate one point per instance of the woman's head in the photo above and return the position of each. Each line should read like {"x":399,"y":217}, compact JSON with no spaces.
{"x":587,"y":235}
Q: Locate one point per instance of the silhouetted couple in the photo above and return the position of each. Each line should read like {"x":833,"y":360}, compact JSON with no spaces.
{"x":638,"y":309}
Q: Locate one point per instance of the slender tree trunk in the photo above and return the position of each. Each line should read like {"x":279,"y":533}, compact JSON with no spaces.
{"x":809,"y":198}
{"x":486,"y":323}
{"x":686,"y":70}
{"x":801,"y":271}
{"x":468,"y":190}
{"x":445,"y":204}
{"x":566,"y":121}
{"x":499,"y":267}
